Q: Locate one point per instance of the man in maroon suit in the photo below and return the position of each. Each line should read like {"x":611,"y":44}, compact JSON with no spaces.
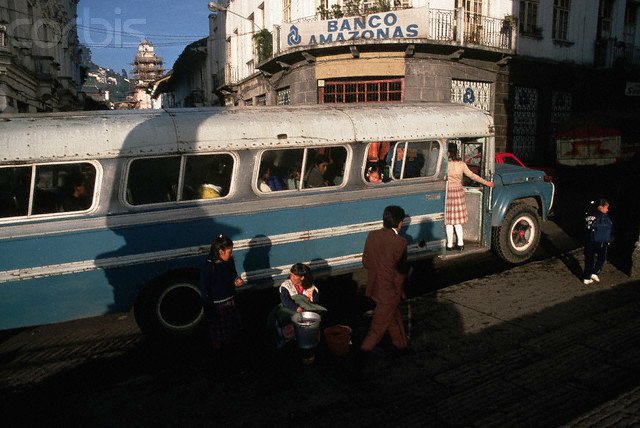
{"x":385,"y":258}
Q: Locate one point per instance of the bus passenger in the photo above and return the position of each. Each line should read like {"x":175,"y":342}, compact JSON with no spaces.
{"x":456,"y":214}
{"x":263,"y":180}
{"x":77,"y":196}
{"x":293,"y":179}
{"x":275,"y":182}
{"x":209,"y":191}
{"x":218,"y":280}
{"x":315,"y":178}
{"x":374,"y":174}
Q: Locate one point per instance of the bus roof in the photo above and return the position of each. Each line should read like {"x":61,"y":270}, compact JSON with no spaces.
{"x":107,"y":134}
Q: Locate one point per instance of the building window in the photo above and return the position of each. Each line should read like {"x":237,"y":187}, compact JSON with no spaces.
{"x":477,"y":94}
{"x":561,"y":10}
{"x":529,"y":17}
{"x":262,"y":20}
{"x":284,"y":97}
{"x":261,"y":100}
{"x":3,"y":35}
{"x":362,"y":91}
{"x":286,"y":10}
{"x":605,"y":17}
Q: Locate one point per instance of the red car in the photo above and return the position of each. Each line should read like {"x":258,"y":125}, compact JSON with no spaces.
{"x":511,"y":159}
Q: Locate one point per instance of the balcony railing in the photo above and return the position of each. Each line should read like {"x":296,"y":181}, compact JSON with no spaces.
{"x":486,"y":31}
{"x":458,"y":26}
{"x":230,"y":74}
{"x":442,"y":24}
{"x":611,"y":51}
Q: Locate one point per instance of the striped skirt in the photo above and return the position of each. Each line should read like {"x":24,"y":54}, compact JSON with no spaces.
{"x":456,"y":206}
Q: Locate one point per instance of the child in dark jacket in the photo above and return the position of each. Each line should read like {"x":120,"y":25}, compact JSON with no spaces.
{"x":599,"y":236}
{"x":218,"y":280}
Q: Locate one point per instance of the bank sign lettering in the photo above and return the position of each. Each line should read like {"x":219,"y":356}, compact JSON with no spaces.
{"x":381,"y":26}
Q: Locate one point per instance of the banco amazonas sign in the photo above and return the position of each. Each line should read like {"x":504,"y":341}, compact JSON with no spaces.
{"x":402,"y":24}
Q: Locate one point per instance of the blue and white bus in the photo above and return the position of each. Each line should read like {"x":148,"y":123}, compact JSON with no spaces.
{"x":108,"y":211}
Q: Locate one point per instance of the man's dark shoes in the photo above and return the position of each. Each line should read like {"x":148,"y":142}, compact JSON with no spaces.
{"x":360,"y":360}
{"x":401,"y":352}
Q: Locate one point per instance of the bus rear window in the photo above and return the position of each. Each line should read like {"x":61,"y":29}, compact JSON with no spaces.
{"x":46,"y":189}
{"x":179,"y":178}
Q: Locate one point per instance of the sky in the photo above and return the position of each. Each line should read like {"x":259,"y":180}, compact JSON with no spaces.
{"x":112,"y":29}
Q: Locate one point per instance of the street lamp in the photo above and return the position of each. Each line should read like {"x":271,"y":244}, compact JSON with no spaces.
{"x":216,"y":7}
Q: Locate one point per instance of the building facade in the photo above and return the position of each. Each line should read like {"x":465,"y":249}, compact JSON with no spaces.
{"x":39,"y":56}
{"x":534,"y":64}
{"x":187,"y":83}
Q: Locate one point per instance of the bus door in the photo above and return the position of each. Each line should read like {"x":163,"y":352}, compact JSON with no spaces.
{"x":473,"y":153}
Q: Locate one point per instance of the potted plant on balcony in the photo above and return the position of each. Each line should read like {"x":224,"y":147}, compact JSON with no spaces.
{"x":352,"y":8}
{"x":380,"y":6}
{"x":264,"y":44}
{"x":509,"y":23}
{"x":323,"y":12}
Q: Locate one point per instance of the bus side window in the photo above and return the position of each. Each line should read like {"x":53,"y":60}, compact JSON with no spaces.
{"x":153,"y":180}
{"x":279,"y":170}
{"x":63,"y":188}
{"x":376,"y":168}
{"x":325,"y":167}
{"x":15,"y":184}
{"x":207,"y":176}
{"x":413,"y":159}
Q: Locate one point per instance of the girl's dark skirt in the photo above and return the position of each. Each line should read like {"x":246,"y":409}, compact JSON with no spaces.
{"x":224,"y":323}
{"x":456,"y":206}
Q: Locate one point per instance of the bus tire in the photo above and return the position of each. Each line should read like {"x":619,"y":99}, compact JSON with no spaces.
{"x":170,"y":308}
{"x":517,"y":238}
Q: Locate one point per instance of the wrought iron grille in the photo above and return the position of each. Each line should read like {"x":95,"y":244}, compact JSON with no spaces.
{"x":283,"y":97}
{"x":477,"y":94}
{"x":525,"y":122}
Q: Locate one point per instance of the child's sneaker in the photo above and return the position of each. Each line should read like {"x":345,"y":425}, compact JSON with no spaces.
{"x":595,"y":277}
{"x":587,"y":281}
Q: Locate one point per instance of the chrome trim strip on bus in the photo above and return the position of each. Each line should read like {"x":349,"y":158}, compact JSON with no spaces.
{"x":414,"y":251}
{"x":242,"y":244}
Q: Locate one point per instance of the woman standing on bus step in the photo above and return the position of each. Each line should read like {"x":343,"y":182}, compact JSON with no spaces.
{"x":456,"y":214}
{"x":218,"y":280}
